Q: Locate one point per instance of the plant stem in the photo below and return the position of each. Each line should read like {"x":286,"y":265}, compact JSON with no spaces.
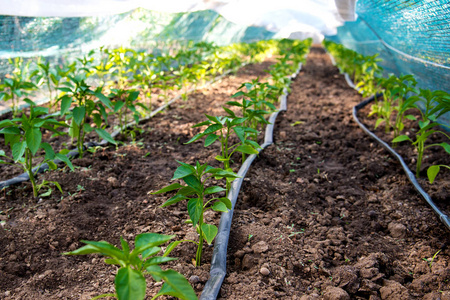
{"x":29,"y":167}
{"x":104,"y":296}
{"x":198,"y":256}
{"x":420,"y":149}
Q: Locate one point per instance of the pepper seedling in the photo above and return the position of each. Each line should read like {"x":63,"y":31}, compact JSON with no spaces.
{"x":196,"y":192}
{"x":25,"y":139}
{"x":130,"y":283}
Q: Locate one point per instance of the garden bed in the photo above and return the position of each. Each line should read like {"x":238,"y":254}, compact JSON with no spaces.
{"x":324,"y":211}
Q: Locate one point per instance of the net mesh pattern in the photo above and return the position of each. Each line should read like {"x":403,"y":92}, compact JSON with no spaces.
{"x":412,"y":37}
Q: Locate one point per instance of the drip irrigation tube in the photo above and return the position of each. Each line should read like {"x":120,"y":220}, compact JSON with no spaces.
{"x":219,"y":258}
{"x":74,"y":153}
{"x":442,"y":217}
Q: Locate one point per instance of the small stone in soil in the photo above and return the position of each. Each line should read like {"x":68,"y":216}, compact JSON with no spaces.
{"x":264,"y":271}
{"x":194,"y":279}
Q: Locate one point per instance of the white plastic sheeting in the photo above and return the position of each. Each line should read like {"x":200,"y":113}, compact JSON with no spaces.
{"x":289,"y":18}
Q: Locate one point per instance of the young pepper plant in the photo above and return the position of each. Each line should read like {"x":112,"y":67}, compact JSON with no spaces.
{"x":24,"y":135}
{"x":427,"y":127}
{"x":78,"y":92}
{"x":130,"y":283}
{"x":196,"y":192}
{"x":221,"y":128}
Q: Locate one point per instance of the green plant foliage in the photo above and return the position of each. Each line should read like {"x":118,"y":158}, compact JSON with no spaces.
{"x":24,"y":135}
{"x":198,"y":194}
{"x":130,"y":283}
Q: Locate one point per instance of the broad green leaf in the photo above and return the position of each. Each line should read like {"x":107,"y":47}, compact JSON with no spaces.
{"x":401,"y":138}
{"x":18,"y":150}
{"x":446,"y":147}
{"x":195,"y":209}
{"x":149,"y":252}
{"x":193,"y":182}
{"x":5,"y":123}
{"x":211,"y":139}
{"x":226,"y":201}
{"x":64,"y":159}
{"x":125,"y":246}
{"x":226,"y":174}
{"x":432,"y":173}
{"x":219,"y":206}
{"x":105,"y":100}
{"x":130,"y":284}
{"x":147,"y":242}
{"x":212,"y":128}
{"x":10,"y":130}
{"x":378,"y":122}
{"x":175,"y":285}
{"x":157,"y":260}
{"x":173,"y":186}
{"x":182,"y":171}
{"x":52,"y":165}
{"x":186,"y":191}
{"x":214,"y":189}
{"x":209,"y":232}
{"x":118,"y":106}
{"x":66,"y":102}
{"x":247,"y":149}
{"x":49,"y":153}
{"x":105,"y":135}
{"x":87,"y":128}
{"x":78,"y":114}
{"x":106,"y":249}
{"x":175,"y":199}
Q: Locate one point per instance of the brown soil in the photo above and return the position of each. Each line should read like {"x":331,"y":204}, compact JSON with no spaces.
{"x":325,"y":210}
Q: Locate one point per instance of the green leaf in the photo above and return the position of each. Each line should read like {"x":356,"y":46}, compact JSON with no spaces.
{"x":88,"y":249}
{"x":130,"y":284}
{"x":10,"y":130}
{"x":209,"y":232}
{"x":66,"y":101}
{"x":105,"y":100}
{"x":49,"y":153}
{"x":173,"y":186}
{"x":195,"y":209}
{"x":221,"y":158}
{"x":106,"y":249}
{"x":52,"y":165}
{"x":401,"y":138}
{"x":432,"y":173}
{"x":183,"y":171}
{"x":18,"y":150}
{"x":157,"y":260}
{"x":202,"y":124}
{"x":213,"y":190}
{"x":175,"y":285}
{"x":211,"y":139}
{"x":213,"y":128}
{"x":247,"y":149}
{"x":33,"y":136}
{"x":78,"y":114}
{"x":105,"y":135}
{"x":378,"y":122}
{"x":219,"y":206}
{"x":193,"y":182}
{"x":226,"y":201}
{"x":147,"y":240}
{"x":175,"y":199}
{"x":65,"y":159}
{"x":5,"y":123}
{"x":195,"y":137}
{"x":446,"y":147}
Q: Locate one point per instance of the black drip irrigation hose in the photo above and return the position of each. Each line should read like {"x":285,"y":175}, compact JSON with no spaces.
{"x":442,"y":217}
{"x":219,"y":258}
{"x":74,"y":153}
